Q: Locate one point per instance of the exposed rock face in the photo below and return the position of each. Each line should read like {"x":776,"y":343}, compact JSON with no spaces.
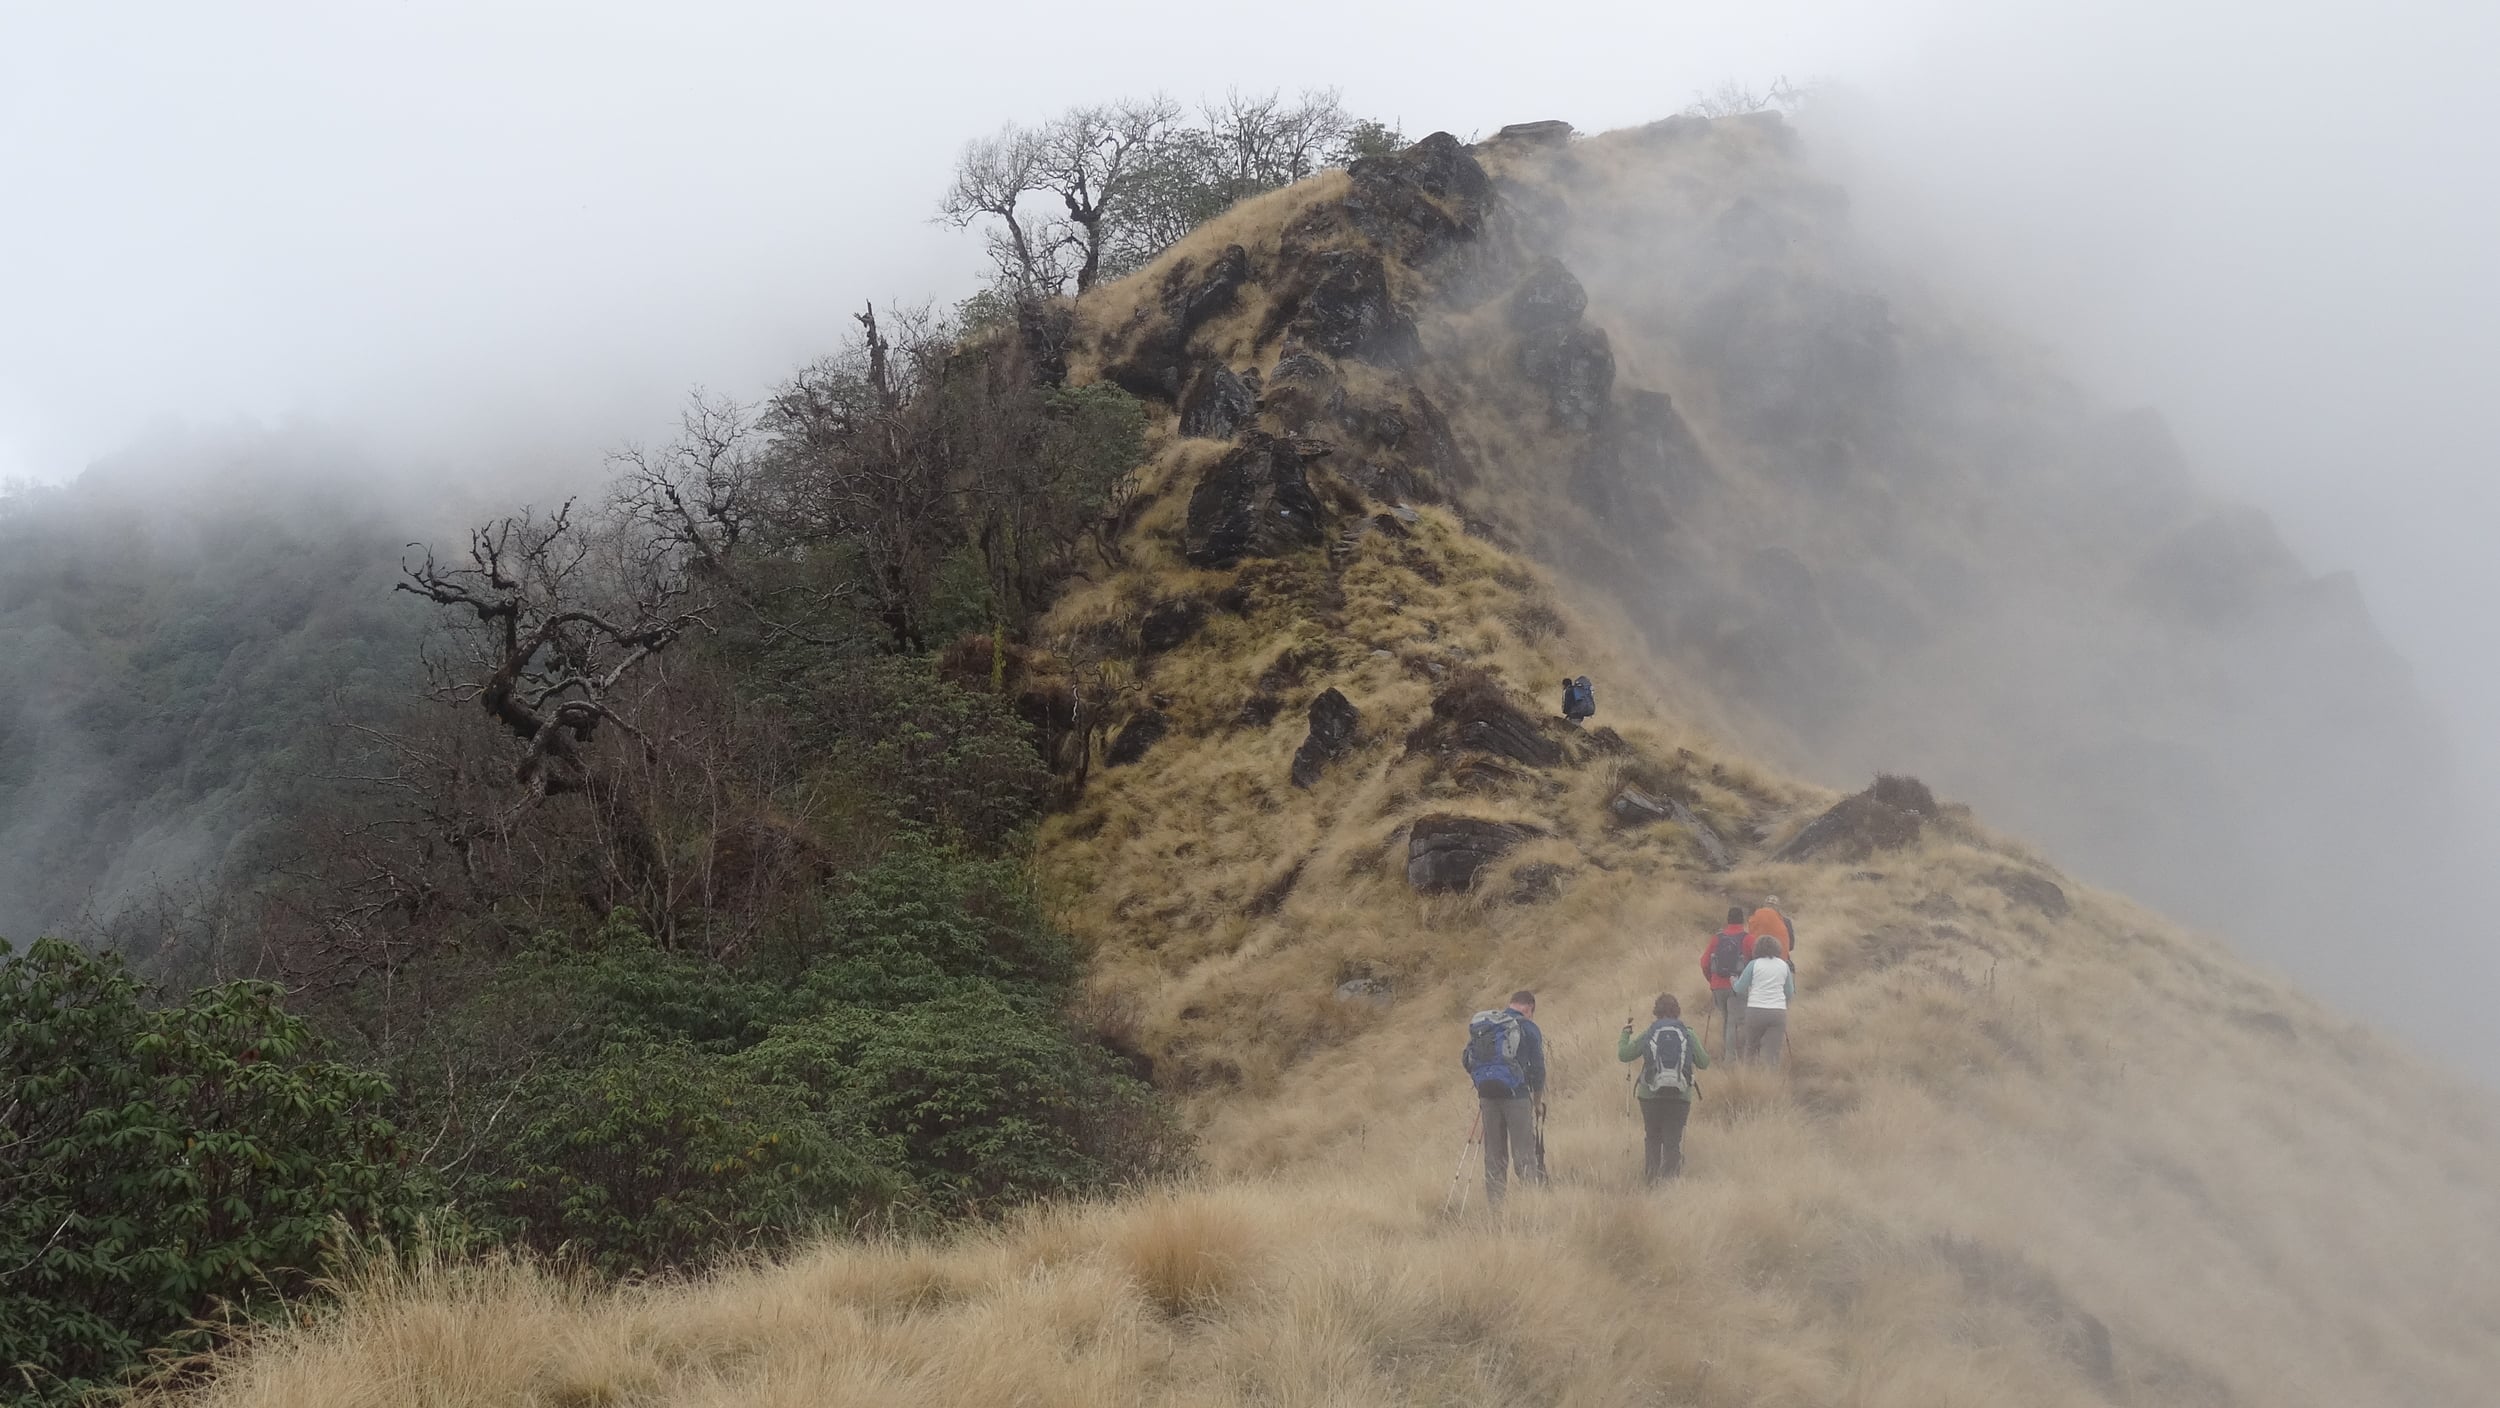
{"x":1535,"y":883}
{"x":1375,"y":991}
{"x":1474,"y":712}
{"x":1444,"y":853}
{"x":1300,"y":391}
{"x":1217,"y":404}
{"x":1550,"y":132}
{"x":1349,"y":312}
{"x":2029,"y":887}
{"x":1169,"y":624}
{"x":1255,"y":502}
{"x":1885,"y":817}
{"x":1135,"y":737}
{"x":1422,"y":202}
{"x":1549,"y":297}
{"x":1154,"y":366}
{"x":1574,"y":365}
{"x":1334,"y":724}
{"x":1713,"y":849}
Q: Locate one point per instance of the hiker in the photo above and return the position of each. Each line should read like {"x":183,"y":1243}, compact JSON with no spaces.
{"x":1505,"y":1057}
{"x":1669,"y":1053}
{"x":1768,"y":985}
{"x":1721,"y":960}
{"x":1579,"y":699}
{"x":1769,"y":921}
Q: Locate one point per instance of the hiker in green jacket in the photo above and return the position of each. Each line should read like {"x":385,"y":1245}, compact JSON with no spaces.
{"x":1669,"y":1053}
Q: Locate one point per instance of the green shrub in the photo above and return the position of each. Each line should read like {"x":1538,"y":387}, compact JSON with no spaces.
{"x":161,"y":1164}
{"x":985,"y":1100}
{"x":665,"y":1156}
{"x":923,"y":919}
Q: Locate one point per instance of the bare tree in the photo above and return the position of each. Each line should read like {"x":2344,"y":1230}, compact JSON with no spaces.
{"x":1734,"y":99}
{"x":706,"y":495}
{"x":994,"y":178}
{"x":1085,"y":162}
{"x":562,"y":617}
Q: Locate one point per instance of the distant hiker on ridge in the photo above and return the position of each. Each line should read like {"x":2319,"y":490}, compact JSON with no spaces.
{"x":1722,"y":958}
{"x":1579,"y":698}
{"x":1768,"y":985}
{"x":1505,"y":1058}
{"x":1669,"y":1053}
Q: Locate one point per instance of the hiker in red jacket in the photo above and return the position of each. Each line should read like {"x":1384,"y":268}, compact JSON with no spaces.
{"x":1721,"y":960}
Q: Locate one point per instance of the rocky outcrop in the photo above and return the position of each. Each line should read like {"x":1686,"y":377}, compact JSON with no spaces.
{"x":1474,"y":713}
{"x":1255,"y":502}
{"x":1348,"y":311}
{"x":1888,"y":816}
{"x":1140,"y":733}
{"x":2030,"y":887}
{"x":1549,"y":297}
{"x":1574,"y":365}
{"x":1153,"y":365}
{"x":1552,"y":132}
{"x":1217,"y":404}
{"x":1335,"y":723}
{"x":1167,"y":625}
{"x":1445,"y":853}
{"x":1421,"y":203}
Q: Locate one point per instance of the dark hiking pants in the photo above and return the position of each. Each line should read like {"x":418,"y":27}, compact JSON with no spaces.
{"x":1509,"y":1142}
{"x":1766,"y":1035}
{"x":1662,"y":1137}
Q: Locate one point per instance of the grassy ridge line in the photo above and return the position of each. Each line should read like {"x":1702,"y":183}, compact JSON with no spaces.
{"x":1914,"y":1218}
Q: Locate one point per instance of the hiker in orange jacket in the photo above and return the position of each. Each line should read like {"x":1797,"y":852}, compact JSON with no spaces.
{"x":1769,"y":922}
{"x":1722,"y":958}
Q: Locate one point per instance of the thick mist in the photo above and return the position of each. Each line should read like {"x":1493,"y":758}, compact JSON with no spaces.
{"x":493,"y":241}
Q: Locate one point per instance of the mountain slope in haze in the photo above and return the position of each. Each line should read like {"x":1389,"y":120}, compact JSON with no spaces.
{"x":182,"y":631}
{"x":2034,"y":1144}
{"x":1886,"y":534}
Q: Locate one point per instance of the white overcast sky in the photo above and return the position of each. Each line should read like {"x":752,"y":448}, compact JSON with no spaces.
{"x":485,"y":232}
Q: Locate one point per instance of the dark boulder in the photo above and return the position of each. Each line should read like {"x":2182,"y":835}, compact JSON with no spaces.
{"x":1553,"y":131}
{"x":1421,"y":202}
{"x":1140,"y":733}
{"x":1535,"y":883}
{"x":1349,"y":312}
{"x":1153,"y":366}
{"x":1474,"y":713}
{"x":1169,"y":624}
{"x":1334,"y":724}
{"x":1376,"y":991}
{"x":1212,"y":294}
{"x":2029,"y":887}
{"x":1549,"y":297}
{"x":1889,"y":816}
{"x":1217,"y":405}
{"x":1300,"y":391}
{"x":1445,"y":853}
{"x":1255,"y":502}
{"x":1574,"y":365}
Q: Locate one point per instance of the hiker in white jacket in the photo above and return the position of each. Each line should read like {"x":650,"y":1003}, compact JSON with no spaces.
{"x":1766,"y":987}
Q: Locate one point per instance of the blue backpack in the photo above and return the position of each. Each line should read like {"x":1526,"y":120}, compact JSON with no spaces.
{"x":1579,"y":698}
{"x":1492,"y":1055}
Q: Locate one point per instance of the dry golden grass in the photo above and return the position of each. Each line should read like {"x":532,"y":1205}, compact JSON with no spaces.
{"x":2014,"y":1158}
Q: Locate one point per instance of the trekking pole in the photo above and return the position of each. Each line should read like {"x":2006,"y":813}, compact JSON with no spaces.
{"x":1456,"y":1198}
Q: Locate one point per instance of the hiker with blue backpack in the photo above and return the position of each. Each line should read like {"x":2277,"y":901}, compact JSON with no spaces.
{"x":1505,"y":1059}
{"x":1669,"y":1053}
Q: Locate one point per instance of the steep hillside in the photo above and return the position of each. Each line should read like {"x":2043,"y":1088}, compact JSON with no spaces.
{"x":1877,"y":531}
{"x":2035,"y":1145}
